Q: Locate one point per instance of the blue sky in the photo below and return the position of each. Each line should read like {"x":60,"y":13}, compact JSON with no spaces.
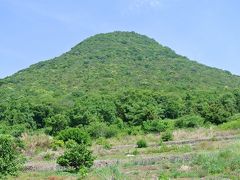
{"x":207,"y":31}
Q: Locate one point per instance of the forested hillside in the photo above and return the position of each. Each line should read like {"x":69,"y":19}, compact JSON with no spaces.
{"x":119,"y":77}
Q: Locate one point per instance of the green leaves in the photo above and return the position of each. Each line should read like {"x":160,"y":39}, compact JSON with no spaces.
{"x":135,"y":107}
{"x":141,"y":143}
{"x":157,"y":125}
{"x":56,"y":123}
{"x":78,"y":135}
{"x":77,"y":158}
{"x":10,"y":159}
{"x":189,"y":121}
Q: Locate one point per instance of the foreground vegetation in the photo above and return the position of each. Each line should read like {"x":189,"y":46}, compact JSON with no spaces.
{"x":116,"y":158}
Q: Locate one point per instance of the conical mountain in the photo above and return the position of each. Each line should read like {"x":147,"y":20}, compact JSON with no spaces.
{"x":113,"y":62}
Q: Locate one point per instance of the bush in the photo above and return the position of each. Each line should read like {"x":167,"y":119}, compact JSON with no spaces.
{"x":70,"y":143}
{"x":134,"y":130}
{"x":77,"y":158}
{"x":10,"y":158}
{"x":57,"y":144}
{"x":157,"y":125}
{"x":190,"y":121}
{"x":99,"y":129}
{"x":230,"y":125}
{"x":234,"y":117}
{"x":56,"y":123}
{"x":15,"y":130}
{"x":141,"y":143}
{"x":167,"y":136}
{"x":76,"y":134}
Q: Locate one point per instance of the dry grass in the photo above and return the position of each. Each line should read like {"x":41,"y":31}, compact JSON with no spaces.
{"x":179,"y":135}
{"x":132,"y":139}
{"x":186,"y":134}
{"x":35,"y":142}
{"x":214,"y":145}
{"x":200,"y":133}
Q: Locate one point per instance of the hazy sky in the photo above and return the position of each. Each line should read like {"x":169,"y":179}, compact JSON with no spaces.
{"x":34,"y":30}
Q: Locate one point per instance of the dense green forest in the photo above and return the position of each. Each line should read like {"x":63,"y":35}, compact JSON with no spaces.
{"x":113,"y":83}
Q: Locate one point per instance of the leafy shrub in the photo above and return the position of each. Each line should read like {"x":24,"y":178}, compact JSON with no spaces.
{"x":100,"y":129}
{"x":56,"y":123}
{"x":16,"y":130}
{"x":190,"y":121}
{"x":234,"y":117}
{"x":134,"y":130}
{"x":77,"y":158}
{"x":70,"y":143}
{"x":10,"y":158}
{"x":163,"y":176}
{"x":217,"y":113}
{"x":141,"y":143}
{"x":78,"y":135}
{"x":230,"y":125}
{"x":157,"y":125}
{"x":57,"y":144}
{"x":167,"y":136}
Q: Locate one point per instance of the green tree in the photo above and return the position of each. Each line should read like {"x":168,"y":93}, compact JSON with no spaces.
{"x":56,"y":123}
{"x":171,"y":104}
{"x":135,"y":107}
{"x":80,"y":136}
{"x":77,"y":158}
{"x":10,"y":158}
{"x":216,"y":113}
{"x":40,"y":113}
{"x":237,"y":97}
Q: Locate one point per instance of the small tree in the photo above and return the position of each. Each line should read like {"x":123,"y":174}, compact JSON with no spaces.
{"x":77,"y":158}
{"x":10,"y":159}
{"x":76,"y":134}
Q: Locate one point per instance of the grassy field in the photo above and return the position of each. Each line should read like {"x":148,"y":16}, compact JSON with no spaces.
{"x":204,"y":153}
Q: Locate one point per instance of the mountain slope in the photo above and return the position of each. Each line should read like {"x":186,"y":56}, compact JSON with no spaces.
{"x":114,"y":62}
